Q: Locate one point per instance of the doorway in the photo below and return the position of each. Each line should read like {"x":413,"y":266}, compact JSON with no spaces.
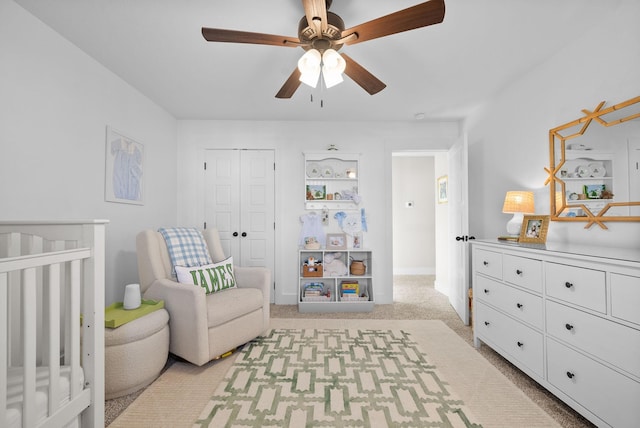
{"x":419,"y":221}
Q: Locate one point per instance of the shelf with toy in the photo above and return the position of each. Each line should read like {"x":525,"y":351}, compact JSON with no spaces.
{"x":346,"y":278}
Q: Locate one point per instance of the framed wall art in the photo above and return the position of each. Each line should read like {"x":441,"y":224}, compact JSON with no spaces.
{"x":336,"y":241}
{"x":442,"y":189}
{"x":124,"y":169}
{"x":534,"y":229}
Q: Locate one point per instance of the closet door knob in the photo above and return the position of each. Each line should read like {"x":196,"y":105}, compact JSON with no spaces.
{"x":570,"y":375}
{"x":487,"y":323}
{"x":519,"y":305}
{"x":235,"y":233}
{"x":244,"y":234}
{"x":520,"y":344}
{"x":568,"y":284}
{"x":568,"y":326}
{"x":518,"y":272}
{"x":485,"y":263}
{"x":486,"y":291}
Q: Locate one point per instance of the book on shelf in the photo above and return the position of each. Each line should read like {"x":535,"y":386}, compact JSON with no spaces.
{"x":312,"y":289}
{"x":350,"y":287}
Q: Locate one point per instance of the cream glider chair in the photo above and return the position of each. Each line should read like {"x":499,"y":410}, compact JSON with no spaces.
{"x":203,"y":327}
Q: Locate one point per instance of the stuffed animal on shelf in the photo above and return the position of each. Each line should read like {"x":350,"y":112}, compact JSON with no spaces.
{"x":333,"y":266}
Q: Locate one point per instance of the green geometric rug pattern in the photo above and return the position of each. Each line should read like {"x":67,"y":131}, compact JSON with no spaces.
{"x":333,"y":378}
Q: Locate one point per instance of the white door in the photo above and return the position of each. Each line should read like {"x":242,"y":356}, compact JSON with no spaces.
{"x":459,"y":229}
{"x":239,"y":202}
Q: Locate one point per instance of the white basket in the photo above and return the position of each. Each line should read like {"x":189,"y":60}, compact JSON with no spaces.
{"x":316,"y":299}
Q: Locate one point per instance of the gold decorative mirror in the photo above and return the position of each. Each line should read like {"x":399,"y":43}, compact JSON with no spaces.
{"x":594,"y":176}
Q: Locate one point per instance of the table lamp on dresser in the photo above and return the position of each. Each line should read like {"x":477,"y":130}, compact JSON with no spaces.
{"x":517,"y":203}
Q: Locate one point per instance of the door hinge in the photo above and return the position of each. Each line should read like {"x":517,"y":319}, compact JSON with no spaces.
{"x":274,"y":166}
{"x":205,"y":224}
{"x":205,"y":166}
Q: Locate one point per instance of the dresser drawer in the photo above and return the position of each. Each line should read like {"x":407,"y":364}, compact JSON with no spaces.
{"x":521,"y":343}
{"x":522,"y":271}
{"x":580,"y":286}
{"x":615,"y":343}
{"x":517,"y":303}
{"x":605,"y":392}
{"x":488,"y":263}
{"x":625,"y":297}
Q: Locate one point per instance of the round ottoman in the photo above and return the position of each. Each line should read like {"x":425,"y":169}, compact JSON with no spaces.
{"x":135,"y":353}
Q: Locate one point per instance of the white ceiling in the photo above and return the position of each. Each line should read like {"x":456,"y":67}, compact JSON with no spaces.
{"x":443,"y":71}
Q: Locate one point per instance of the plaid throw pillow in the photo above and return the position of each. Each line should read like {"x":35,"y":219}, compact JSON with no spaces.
{"x":186,"y":247}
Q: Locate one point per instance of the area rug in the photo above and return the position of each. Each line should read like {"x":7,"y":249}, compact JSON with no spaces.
{"x":177,"y":398}
{"x":336,"y":378}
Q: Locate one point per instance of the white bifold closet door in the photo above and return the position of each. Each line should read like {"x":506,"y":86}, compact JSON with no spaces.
{"x":239,"y":202}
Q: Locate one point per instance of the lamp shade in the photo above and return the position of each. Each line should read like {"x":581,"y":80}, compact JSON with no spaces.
{"x":518,"y":202}
{"x":333,"y":65}
{"x":309,"y":66}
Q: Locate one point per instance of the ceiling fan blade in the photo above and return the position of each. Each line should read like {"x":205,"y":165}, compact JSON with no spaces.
{"x":290,"y":86}
{"x":362,"y":77}
{"x":421,"y":15}
{"x":233,"y":36}
{"x":316,"y":10}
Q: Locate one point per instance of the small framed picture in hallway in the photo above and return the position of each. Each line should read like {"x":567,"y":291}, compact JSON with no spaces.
{"x":442,"y":189}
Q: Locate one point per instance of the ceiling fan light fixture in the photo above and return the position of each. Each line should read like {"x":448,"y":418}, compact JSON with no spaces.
{"x":333,"y":65}
{"x":309,"y":66}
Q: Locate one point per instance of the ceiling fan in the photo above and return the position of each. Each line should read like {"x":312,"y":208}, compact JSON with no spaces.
{"x":322,"y":30}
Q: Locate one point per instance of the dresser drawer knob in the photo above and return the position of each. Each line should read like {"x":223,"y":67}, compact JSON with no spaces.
{"x":568,"y":284}
{"x":519,"y":305}
{"x":520,"y":344}
{"x":518,"y":272}
{"x":487,"y":323}
{"x":568,"y":326}
{"x":486,"y":263}
{"x":570,"y":375}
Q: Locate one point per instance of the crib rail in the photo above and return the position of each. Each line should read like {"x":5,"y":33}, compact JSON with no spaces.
{"x":45,"y":291}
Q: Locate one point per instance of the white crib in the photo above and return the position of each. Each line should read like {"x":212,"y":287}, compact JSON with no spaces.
{"x":52,"y":323}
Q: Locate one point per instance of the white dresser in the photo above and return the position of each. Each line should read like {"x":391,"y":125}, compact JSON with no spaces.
{"x":567,"y":316}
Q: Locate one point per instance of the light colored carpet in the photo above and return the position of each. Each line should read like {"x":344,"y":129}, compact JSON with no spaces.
{"x":178,"y":397}
{"x":414,"y":299}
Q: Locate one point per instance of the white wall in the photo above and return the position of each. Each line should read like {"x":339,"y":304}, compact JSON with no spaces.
{"x":414,"y":244}
{"x":509,"y":136}
{"x":55,"y":104}
{"x":374,"y":141}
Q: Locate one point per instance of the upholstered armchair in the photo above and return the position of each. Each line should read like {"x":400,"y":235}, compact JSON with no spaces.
{"x":204,"y":326}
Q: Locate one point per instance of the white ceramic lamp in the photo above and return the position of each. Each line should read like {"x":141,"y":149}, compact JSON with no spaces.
{"x":517,"y":203}
{"x":132,"y":297}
